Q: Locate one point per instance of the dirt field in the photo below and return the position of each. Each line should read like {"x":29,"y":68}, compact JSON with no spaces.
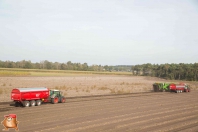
{"x":154,"y":112}
{"x":83,"y":85}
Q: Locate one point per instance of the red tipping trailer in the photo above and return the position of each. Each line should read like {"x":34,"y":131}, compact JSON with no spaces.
{"x":34,"y":96}
{"x":179,"y":88}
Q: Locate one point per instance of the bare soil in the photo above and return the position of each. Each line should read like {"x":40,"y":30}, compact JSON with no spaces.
{"x":140,"y":112}
{"x":78,"y":85}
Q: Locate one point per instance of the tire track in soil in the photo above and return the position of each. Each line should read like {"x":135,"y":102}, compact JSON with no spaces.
{"x":116,"y":112}
{"x":190,"y":127}
{"x":190,"y":124}
{"x":170,"y":123}
{"x":50,"y":105}
{"x":99,"y":120}
{"x":77,"y":110}
{"x":52,"y":111}
{"x":110,"y":110}
{"x":100,"y":127}
{"x":5,"y":106}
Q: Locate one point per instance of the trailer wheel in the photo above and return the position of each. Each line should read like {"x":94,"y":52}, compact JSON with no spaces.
{"x":38,"y":102}
{"x":63,"y":99}
{"x":17,"y":104}
{"x":32,"y":103}
{"x":54,"y":100}
{"x":26,"y":103}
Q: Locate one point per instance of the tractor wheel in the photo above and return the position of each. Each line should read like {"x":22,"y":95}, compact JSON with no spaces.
{"x":32,"y":103}
{"x":26,"y":103}
{"x":63,"y":99}
{"x":38,"y":102}
{"x":55,"y":100}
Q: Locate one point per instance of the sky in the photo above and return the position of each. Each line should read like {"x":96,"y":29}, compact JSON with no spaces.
{"x":102,"y":32}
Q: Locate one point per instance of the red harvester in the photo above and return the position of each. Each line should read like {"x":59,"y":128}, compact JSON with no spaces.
{"x":179,"y":88}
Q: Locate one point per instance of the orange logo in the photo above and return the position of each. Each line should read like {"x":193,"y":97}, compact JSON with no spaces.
{"x":10,"y":121}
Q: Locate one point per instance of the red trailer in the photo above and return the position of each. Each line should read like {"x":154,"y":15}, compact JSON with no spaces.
{"x":179,"y":88}
{"x":35,"y":96}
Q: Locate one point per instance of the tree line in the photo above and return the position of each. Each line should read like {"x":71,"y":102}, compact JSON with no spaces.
{"x":61,"y":66}
{"x":173,"y":71}
{"x":179,"y":71}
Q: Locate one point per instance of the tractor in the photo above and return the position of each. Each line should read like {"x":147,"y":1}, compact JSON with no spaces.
{"x":56,"y":97}
{"x":35,"y":96}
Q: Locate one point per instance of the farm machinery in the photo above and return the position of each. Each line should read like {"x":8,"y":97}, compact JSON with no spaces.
{"x":160,"y":87}
{"x":171,"y":87}
{"x":35,"y":96}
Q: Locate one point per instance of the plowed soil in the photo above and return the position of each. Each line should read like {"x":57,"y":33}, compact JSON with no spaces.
{"x":80,"y":85}
{"x":103,"y":103}
{"x":141,"y":112}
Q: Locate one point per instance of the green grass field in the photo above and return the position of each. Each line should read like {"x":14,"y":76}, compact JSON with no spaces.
{"x":43,"y":72}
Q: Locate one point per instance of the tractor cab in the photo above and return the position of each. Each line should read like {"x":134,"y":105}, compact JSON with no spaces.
{"x":55,"y":93}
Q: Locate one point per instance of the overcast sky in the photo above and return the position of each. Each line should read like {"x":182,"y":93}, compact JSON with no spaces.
{"x":106,"y":32}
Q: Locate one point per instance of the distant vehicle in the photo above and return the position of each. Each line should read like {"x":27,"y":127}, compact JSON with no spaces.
{"x":35,"y":96}
{"x":177,"y":88}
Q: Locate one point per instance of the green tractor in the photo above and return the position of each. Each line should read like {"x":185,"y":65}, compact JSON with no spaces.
{"x":160,"y":87}
{"x":56,"y":97}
